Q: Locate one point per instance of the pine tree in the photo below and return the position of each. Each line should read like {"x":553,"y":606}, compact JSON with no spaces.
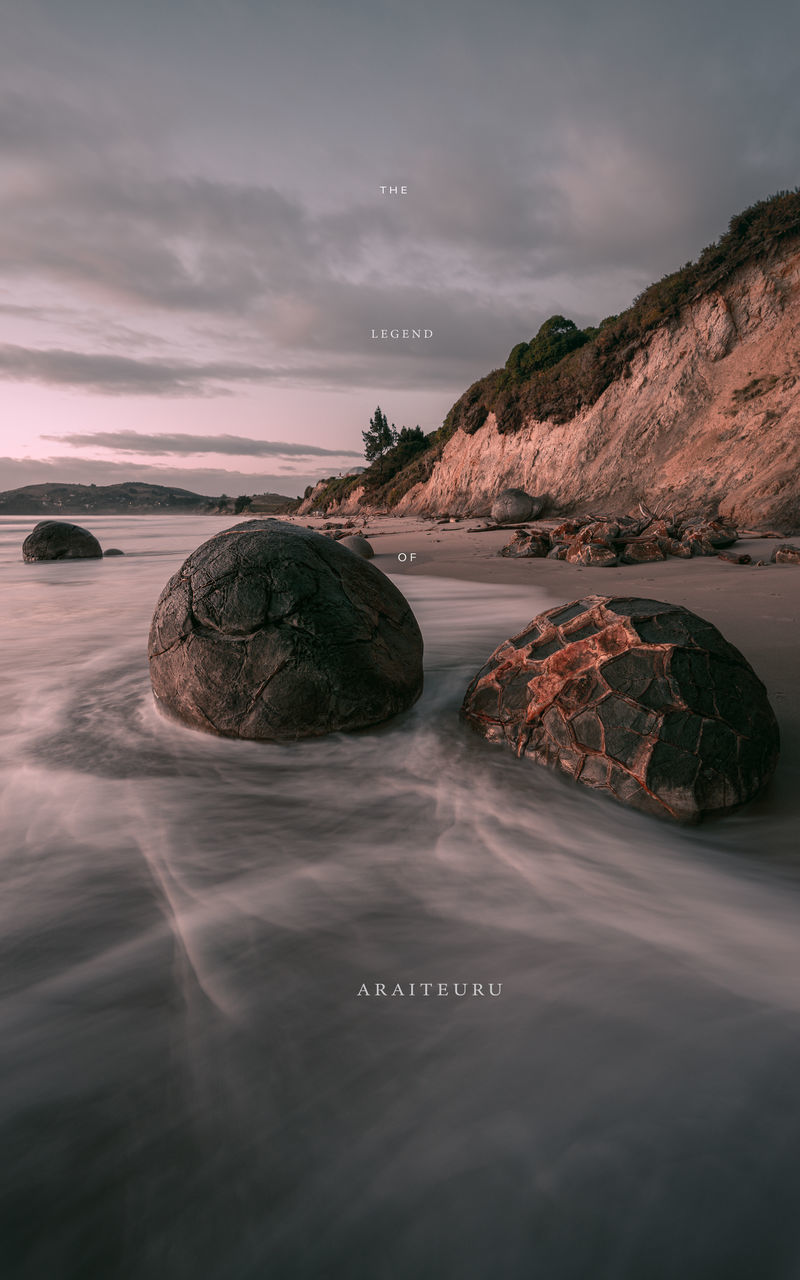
{"x":379,"y":438}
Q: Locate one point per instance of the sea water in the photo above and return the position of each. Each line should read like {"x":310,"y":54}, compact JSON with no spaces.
{"x":191,"y":1086}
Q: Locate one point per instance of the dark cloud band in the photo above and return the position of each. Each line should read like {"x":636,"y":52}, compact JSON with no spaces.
{"x":161,"y":444}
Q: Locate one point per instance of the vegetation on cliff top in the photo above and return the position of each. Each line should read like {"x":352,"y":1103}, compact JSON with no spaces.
{"x":565,"y":369}
{"x":558,"y":388}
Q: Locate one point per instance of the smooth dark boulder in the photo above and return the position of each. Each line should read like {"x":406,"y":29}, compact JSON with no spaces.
{"x":358,"y":543}
{"x":273,"y":632}
{"x":59,"y":540}
{"x":643,"y":700}
{"x":113,"y":551}
{"x":512,"y":506}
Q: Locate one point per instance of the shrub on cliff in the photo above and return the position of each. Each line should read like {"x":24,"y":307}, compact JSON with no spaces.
{"x":555,"y":339}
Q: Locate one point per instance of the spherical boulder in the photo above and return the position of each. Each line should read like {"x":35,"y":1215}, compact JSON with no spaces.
{"x":643,"y":700}
{"x":512,"y":506}
{"x":273,"y":632}
{"x":358,"y":543}
{"x":59,"y":540}
{"x":113,"y":551}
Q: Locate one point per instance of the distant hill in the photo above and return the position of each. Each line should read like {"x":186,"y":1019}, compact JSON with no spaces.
{"x":132,"y":497}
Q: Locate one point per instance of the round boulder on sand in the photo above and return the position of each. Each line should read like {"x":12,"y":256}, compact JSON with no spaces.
{"x":59,"y":540}
{"x":358,"y":543}
{"x":512,"y":506}
{"x":643,"y":700}
{"x":113,"y":551}
{"x":274,"y":633}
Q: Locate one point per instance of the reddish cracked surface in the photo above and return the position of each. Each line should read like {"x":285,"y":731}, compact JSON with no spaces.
{"x":636,"y":697}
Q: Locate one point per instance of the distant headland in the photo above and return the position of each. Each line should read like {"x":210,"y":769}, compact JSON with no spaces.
{"x":133,"y":497}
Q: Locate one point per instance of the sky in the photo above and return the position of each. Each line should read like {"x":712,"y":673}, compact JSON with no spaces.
{"x":194,"y":247}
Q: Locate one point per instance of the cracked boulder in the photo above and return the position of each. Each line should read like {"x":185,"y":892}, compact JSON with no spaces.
{"x":597,"y":554}
{"x":786,"y":554}
{"x":707,"y":537}
{"x":527,"y":545}
{"x":60,"y":540}
{"x":643,"y":552}
{"x":640,"y":699}
{"x":272,"y":632}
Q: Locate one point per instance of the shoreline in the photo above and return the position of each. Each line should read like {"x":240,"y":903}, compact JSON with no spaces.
{"x":756,"y":608}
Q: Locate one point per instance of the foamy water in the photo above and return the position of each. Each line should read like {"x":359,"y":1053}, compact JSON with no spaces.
{"x":191,"y":1086}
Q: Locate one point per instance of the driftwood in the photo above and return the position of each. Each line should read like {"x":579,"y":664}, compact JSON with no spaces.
{"x":754,"y":533}
{"x":502,"y":528}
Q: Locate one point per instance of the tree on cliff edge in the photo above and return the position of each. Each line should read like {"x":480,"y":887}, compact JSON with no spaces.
{"x":379,"y":438}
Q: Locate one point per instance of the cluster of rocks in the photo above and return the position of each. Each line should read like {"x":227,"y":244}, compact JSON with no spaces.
{"x":607,"y":541}
{"x":60,"y":540}
{"x":637,"y":698}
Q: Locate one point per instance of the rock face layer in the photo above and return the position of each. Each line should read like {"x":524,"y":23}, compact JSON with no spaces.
{"x":274,"y":633}
{"x":641,"y":699}
{"x":706,"y":417}
{"x":59,"y":540}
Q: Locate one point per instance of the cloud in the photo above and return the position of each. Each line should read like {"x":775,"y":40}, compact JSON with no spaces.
{"x":142,"y":188}
{"x":357,"y":361}
{"x":163,"y":443}
{"x":122,"y":375}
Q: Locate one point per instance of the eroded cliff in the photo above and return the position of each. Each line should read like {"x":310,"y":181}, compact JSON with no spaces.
{"x":707,"y":415}
{"x":690,"y":397}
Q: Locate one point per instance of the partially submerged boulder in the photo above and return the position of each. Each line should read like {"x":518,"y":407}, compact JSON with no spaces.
{"x":273,"y":632}
{"x":638,"y":698}
{"x":60,"y":540}
{"x":113,"y":551}
{"x":513,"y":506}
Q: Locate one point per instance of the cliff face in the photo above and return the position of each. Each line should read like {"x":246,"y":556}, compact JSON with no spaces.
{"x":706,"y":415}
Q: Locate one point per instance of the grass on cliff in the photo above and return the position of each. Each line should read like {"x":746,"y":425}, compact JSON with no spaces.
{"x":565,"y":369}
